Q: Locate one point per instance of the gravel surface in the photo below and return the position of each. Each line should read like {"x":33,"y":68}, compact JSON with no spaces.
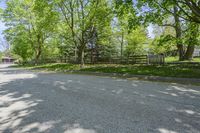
{"x":36,"y":102}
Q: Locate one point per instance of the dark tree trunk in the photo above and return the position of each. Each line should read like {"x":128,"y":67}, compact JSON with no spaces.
{"x":180,"y":52}
{"x":122,"y":45}
{"x":192,"y":40}
{"x":92,"y":54}
{"x":39,"y":48}
{"x":38,"y":53}
{"x":97,"y":53}
{"x":189,"y":52}
{"x":81,"y":55}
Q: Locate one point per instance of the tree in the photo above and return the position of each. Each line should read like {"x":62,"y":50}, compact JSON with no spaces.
{"x":81,"y":19}
{"x":37,"y":19}
{"x":136,"y":41}
{"x":166,"y":9}
{"x":190,"y":9}
{"x":191,"y":38}
{"x":21,"y":46}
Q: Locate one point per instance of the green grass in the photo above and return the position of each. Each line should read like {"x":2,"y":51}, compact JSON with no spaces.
{"x":171,"y":59}
{"x":165,"y":71}
{"x":51,"y":67}
{"x":182,"y":71}
{"x":175,"y":59}
{"x":196,"y":59}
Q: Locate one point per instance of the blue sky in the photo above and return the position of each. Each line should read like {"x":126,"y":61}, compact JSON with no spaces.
{"x":150,"y":31}
{"x":2,"y":26}
{"x":2,"y":5}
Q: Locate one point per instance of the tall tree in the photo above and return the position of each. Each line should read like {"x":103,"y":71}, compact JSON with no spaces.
{"x":165,"y":9}
{"x":191,"y":38}
{"x":190,"y":9}
{"x":81,"y":17}
{"x":37,"y":19}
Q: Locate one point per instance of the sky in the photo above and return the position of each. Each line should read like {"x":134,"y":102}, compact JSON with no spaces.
{"x":2,"y":26}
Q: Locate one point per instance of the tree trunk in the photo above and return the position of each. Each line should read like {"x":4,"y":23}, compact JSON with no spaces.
{"x":82,"y":59}
{"x":38,"y":53}
{"x":192,"y":40}
{"x":180,"y":52}
{"x":92,"y":54}
{"x":39,"y":48}
{"x":122,"y":44}
{"x":178,"y":34}
{"x":75,"y":54}
{"x":81,"y":56}
{"x":189,"y":52}
{"x":97,"y":53}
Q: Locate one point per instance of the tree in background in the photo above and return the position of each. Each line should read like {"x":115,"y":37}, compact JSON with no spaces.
{"x":82,"y":30}
{"x":158,"y":12}
{"x":190,"y":9}
{"x":136,"y":42}
{"x":36,"y":18}
{"x":21,"y":46}
{"x":191,"y":39}
{"x":82,"y":18}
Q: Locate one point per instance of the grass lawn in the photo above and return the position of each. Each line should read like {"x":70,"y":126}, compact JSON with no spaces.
{"x":186,"y":71}
{"x":175,"y":59}
{"x":51,"y":67}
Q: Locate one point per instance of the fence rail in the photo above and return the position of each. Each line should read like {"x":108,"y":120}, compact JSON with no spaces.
{"x":136,"y":59}
{"x":156,"y":59}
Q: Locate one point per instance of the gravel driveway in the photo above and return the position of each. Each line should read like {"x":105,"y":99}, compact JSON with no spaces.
{"x":33,"y":102}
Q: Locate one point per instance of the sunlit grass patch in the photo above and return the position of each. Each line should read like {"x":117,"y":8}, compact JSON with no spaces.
{"x":166,"y":71}
{"x":177,"y":70}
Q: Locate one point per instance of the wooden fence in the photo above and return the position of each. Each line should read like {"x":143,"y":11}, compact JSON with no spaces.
{"x":136,"y":59}
{"x":156,"y":59}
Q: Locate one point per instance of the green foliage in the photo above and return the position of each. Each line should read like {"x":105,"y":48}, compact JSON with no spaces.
{"x":21,"y":47}
{"x":30,"y":24}
{"x":127,"y":14}
{"x":57,"y":28}
{"x":163,"y":44}
{"x":1,"y":54}
{"x":136,"y":42}
{"x":192,"y":34}
{"x":187,"y":9}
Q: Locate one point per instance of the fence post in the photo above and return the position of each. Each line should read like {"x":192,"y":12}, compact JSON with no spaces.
{"x":147,"y":59}
{"x":163,"y":59}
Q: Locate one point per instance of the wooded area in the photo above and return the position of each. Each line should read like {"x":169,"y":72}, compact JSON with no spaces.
{"x":100,"y":30}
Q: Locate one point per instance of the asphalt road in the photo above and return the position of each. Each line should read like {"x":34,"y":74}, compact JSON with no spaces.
{"x":33,"y":102}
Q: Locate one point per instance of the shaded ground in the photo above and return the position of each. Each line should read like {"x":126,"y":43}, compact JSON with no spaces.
{"x":62,"y":103}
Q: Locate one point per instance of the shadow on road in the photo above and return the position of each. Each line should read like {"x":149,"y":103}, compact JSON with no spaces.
{"x":42,"y":102}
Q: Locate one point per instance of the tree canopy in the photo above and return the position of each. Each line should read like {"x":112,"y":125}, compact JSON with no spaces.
{"x":78,"y":30}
